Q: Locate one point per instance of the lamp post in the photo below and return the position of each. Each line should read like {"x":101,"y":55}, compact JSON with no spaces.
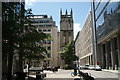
{"x":94,"y":32}
{"x":75,"y":67}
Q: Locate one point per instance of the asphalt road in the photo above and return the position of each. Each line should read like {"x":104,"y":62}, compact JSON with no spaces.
{"x":66,"y":75}
{"x":102,"y":75}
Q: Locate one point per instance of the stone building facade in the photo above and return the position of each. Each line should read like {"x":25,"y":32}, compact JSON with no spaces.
{"x":83,"y":43}
{"x":66,"y":30}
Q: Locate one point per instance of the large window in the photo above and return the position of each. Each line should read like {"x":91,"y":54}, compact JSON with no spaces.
{"x":108,"y":19}
{"x":99,"y":9}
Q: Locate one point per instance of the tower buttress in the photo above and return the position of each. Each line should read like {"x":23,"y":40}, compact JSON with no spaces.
{"x":61,"y":12}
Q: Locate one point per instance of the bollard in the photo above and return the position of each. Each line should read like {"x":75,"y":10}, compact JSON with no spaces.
{"x":115,"y":67}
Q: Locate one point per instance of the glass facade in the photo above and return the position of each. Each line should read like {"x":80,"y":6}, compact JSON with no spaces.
{"x":107,"y":18}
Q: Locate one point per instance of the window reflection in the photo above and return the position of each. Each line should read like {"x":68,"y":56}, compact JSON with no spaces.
{"x":108,"y":19}
{"x":100,"y":8}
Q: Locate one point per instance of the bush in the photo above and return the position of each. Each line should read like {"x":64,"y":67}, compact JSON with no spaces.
{"x":66,"y":67}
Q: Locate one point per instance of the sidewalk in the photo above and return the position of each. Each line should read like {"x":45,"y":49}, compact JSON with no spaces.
{"x":113,"y":71}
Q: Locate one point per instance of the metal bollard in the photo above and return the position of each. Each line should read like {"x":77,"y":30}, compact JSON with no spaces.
{"x":115,"y":67}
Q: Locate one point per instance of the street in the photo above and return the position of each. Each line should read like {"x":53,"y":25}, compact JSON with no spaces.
{"x":60,"y":75}
{"x":102,"y":75}
{"x":66,"y":75}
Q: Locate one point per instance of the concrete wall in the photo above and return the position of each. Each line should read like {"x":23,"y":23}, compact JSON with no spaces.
{"x":54,"y":47}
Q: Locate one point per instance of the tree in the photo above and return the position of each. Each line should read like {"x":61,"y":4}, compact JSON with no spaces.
{"x":20,"y":37}
{"x":10,"y":31}
{"x":29,"y":41}
{"x":68,"y":54}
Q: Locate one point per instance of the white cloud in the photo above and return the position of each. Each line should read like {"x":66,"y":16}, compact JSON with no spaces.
{"x":77,"y":28}
{"x":29,"y":2}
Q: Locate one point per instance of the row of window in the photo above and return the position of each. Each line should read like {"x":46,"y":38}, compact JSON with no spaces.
{"x":46,"y":41}
{"x":42,"y":25}
{"x":47,"y":48}
{"x":41,"y":21}
{"x":44,"y":30}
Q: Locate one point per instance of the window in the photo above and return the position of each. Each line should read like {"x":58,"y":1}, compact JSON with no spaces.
{"x":48,"y":42}
{"x":49,"y":30}
{"x":49,"y":55}
{"x":44,"y":30}
{"x":49,"y":48}
{"x":64,"y":33}
{"x":40,"y":30}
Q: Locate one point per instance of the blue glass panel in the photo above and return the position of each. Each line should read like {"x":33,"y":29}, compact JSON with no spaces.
{"x":108,"y":19}
{"x":99,"y":9}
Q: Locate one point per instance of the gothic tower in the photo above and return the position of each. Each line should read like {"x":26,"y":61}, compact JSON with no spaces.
{"x":66,"y":29}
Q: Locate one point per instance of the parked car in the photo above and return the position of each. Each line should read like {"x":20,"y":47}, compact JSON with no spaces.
{"x":84,"y":67}
{"x":97,"y":68}
{"x":91,"y":67}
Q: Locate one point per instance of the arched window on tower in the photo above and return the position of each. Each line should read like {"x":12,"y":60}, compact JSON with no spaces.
{"x":64,"y":33}
{"x":69,"y":34}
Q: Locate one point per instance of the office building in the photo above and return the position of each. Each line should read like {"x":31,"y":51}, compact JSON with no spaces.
{"x":106,"y":24}
{"x":45,"y":24}
{"x":83,"y":43}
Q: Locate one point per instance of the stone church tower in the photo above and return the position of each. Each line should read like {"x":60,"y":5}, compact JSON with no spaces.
{"x":66,"y":29}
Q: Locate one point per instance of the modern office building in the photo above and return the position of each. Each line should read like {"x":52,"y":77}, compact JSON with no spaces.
{"x":66,"y":30}
{"x":83,"y":43}
{"x":45,"y":24}
{"x":77,"y":44}
{"x":106,"y":24}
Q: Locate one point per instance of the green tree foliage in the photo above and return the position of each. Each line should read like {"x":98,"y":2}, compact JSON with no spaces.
{"x":19,"y":36}
{"x":29,"y":41}
{"x":68,"y":54}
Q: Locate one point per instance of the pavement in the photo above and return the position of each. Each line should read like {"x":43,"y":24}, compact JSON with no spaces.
{"x":113,"y":71}
{"x":102,"y":75}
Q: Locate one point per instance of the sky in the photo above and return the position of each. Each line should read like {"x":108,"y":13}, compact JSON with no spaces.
{"x":80,"y":11}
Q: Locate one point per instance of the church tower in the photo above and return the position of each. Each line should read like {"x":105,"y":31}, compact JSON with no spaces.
{"x":66,"y":29}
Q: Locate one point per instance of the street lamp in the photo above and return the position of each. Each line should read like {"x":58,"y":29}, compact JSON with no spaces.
{"x":94,"y":32}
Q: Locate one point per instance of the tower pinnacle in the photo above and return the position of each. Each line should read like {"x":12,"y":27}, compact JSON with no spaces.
{"x":66,"y":11}
{"x":71,"y":13}
{"x":61,"y":11}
